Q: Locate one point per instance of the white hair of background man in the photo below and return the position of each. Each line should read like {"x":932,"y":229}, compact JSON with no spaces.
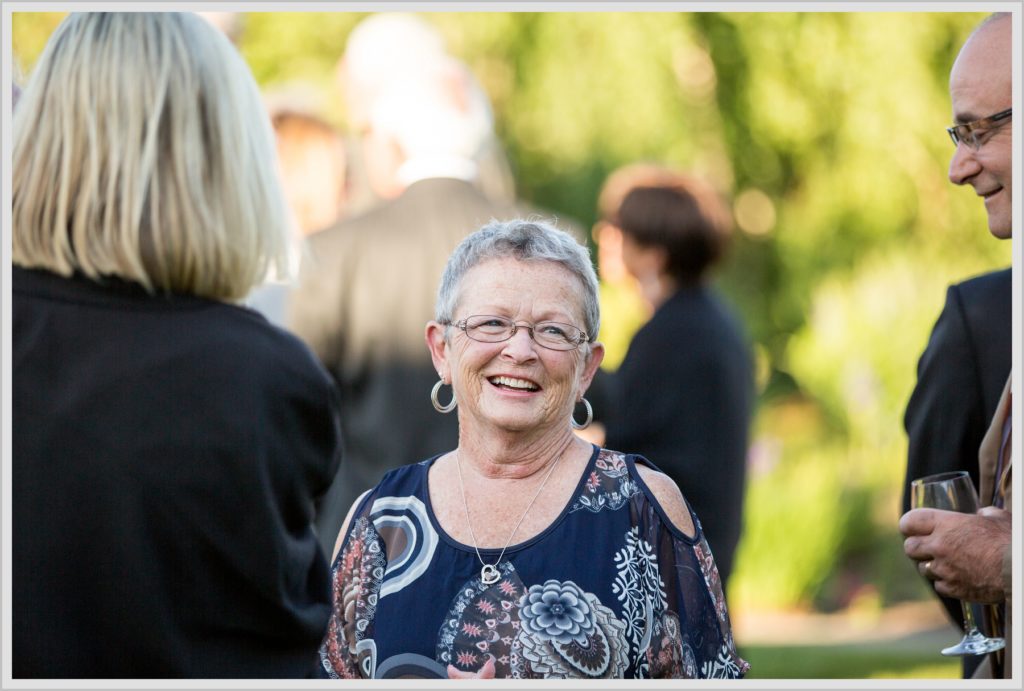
{"x":381,"y":49}
{"x":437,"y":113}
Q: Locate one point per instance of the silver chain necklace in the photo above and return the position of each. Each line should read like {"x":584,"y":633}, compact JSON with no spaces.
{"x":489,"y":573}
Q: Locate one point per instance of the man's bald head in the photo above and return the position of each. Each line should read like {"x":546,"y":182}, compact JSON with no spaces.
{"x":980,"y":86}
{"x":991,"y":44}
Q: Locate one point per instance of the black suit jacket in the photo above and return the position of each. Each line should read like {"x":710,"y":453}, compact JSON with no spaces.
{"x":166,"y":456}
{"x":366,"y":293}
{"x":960,"y":377}
{"x":683,"y":397}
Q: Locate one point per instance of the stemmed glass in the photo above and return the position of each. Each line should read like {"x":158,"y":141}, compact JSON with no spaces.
{"x":955,"y":492}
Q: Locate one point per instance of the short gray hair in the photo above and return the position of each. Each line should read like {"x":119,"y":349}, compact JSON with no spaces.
{"x":372,"y":61}
{"x":525,"y":240}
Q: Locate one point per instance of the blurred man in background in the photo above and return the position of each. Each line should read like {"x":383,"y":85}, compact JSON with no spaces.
{"x":371,"y":65}
{"x":968,"y":556}
{"x":369,"y":285}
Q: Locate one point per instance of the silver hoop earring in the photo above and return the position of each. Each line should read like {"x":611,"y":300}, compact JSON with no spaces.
{"x":437,"y":404}
{"x":590,"y":417}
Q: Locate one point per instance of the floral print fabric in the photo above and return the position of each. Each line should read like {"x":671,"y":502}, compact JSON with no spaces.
{"x":609,"y":590}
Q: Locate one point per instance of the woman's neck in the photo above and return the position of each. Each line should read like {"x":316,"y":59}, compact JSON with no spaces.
{"x":657,"y":288}
{"x":513,"y":456}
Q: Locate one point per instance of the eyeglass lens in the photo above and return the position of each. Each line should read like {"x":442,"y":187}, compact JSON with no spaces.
{"x":973,"y":133}
{"x":491,"y":329}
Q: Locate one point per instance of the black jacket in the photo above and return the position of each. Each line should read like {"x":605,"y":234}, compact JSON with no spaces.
{"x":166,"y":456}
{"x":683,"y":397}
{"x":959,"y":378}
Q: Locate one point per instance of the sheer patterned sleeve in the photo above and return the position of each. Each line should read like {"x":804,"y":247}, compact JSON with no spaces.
{"x":690,"y":632}
{"x":356,"y":574}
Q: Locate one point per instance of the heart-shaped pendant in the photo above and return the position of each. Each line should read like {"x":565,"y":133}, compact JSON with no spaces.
{"x":489,"y":574}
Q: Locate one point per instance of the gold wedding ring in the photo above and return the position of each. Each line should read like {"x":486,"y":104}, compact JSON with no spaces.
{"x":928,"y":568}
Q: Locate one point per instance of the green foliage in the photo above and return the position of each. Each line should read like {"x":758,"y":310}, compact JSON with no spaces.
{"x":832,"y":123}
{"x":856,"y":661}
{"x":795,"y":512}
{"x":299,"y":47}
{"x":29,"y":33}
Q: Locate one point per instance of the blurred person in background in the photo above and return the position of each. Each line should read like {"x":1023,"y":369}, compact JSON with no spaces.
{"x":968,"y":556}
{"x":311,"y":158}
{"x":523,"y":551}
{"x":624,"y":309}
{"x":684,"y":394}
{"x":367,"y":287}
{"x":168,"y":445}
{"x":311,"y":154}
{"x":371,"y":66}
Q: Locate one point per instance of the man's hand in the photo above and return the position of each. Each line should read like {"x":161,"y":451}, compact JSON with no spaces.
{"x":961,"y":552}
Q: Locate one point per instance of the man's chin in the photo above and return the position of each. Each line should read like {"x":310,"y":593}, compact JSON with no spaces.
{"x":1000,"y":230}
{"x":1000,"y":214}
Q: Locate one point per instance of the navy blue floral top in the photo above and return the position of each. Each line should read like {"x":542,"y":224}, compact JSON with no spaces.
{"x":610,"y":590}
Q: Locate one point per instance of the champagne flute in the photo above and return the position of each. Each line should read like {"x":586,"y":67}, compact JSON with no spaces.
{"x":955,"y":492}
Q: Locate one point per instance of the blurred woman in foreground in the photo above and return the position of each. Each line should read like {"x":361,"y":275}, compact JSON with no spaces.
{"x":167,"y":444}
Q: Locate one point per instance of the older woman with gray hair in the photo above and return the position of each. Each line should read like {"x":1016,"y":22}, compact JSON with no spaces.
{"x":525,"y":552}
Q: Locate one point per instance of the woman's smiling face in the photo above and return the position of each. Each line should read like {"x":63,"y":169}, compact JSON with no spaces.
{"x":517,"y":385}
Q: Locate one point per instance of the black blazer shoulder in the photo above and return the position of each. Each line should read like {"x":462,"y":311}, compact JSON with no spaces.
{"x":960,"y":376}
{"x":185,"y":440}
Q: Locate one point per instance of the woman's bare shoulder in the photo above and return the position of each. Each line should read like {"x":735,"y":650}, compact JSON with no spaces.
{"x":666,"y":491}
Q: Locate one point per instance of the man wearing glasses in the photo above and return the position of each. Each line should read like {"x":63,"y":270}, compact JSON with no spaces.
{"x":963,"y":370}
{"x":967,"y":556}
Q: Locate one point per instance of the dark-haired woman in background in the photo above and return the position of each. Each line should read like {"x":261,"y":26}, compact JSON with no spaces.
{"x":684,"y":392}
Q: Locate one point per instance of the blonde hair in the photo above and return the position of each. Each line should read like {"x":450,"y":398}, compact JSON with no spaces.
{"x":142,"y":150}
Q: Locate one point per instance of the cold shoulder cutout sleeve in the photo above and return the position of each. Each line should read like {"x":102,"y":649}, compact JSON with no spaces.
{"x":667,"y":493}
{"x":690,"y":631}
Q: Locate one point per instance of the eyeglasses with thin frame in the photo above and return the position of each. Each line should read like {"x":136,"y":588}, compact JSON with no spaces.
{"x":488,"y":328}
{"x":972,"y":133}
